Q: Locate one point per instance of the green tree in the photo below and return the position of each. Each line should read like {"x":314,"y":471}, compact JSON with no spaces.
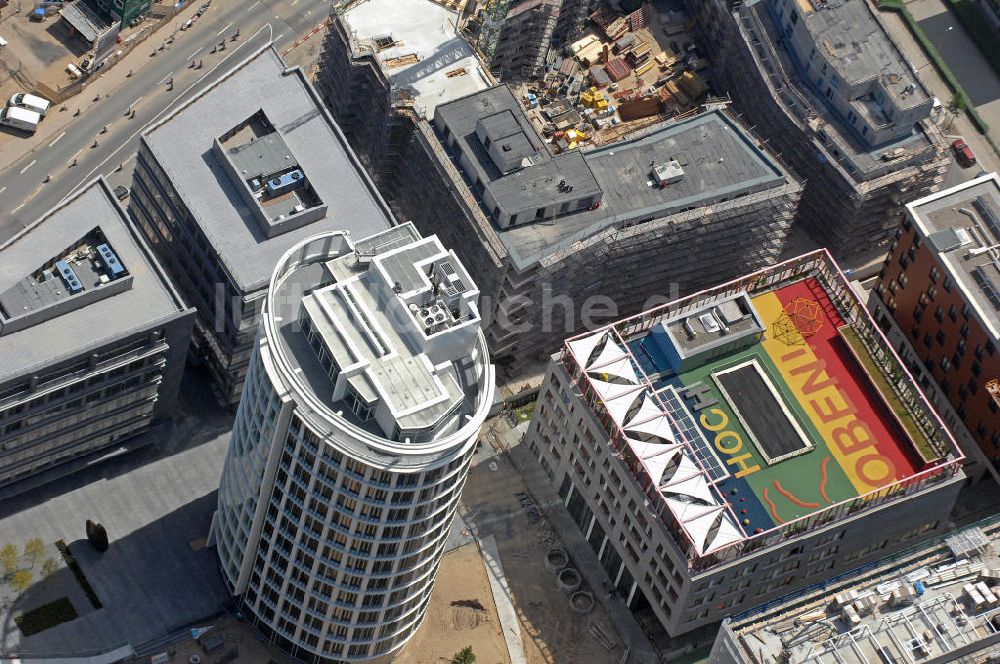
{"x":464,"y":656}
{"x":956,"y":105}
{"x":34,"y":549}
{"x":49,"y":567}
{"x":8,"y":558}
{"x":22,"y":579}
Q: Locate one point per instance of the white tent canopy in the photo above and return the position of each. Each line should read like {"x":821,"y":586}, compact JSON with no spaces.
{"x":584,"y":347}
{"x":656,"y":464}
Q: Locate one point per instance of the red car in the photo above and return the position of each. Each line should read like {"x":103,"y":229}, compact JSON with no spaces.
{"x":963,"y":153}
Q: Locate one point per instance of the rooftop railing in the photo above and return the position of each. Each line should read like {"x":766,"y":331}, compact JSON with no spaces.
{"x":821,"y":266}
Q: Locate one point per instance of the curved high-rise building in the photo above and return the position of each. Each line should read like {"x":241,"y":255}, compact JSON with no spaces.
{"x":360,"y":414}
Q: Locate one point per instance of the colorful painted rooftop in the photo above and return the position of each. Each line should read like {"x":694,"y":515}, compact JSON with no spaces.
{"x":762,"y":407}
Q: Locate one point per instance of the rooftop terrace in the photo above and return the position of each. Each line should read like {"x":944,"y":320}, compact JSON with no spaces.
{"x":938,"y":603}
{"x":383,"y":333}
{"x":419,"y":48}
{"x":203,"y":148}
{"x":962,"y":225}
{"x":719,"y":161}
{"x":719,"y":400}
{"x":77,"y":277}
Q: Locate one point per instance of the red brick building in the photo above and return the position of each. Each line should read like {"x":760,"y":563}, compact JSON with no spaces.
{"x":941,"y":284}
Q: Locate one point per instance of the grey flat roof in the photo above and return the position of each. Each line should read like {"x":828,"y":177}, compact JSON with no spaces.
{"x":835,"y":130}
{"x":944,"y":219}
{"x":859,"y":47}
{"x":182,"y":144}
{"x":720,"y":161}
{"x":151,"y":297}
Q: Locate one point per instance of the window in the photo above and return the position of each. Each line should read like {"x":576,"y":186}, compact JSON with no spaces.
{"x":945,"y":364}
{"x":947,"y":283}
{"x":953,"y":313}
{"x":939,"y":314}
{"x":540,"y":213}
{"x":934,"y":271}
{"x":795,"y":19}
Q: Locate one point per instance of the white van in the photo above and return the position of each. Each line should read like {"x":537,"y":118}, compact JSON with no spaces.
{"x":30,"y":102}
{"x":20,"y":118}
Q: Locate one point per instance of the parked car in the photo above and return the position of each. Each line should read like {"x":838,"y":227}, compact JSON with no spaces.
{"x":20,"y":118}
{"x":963,"y":153}
{"x":30,"y":102}
{"x":121,"y":192}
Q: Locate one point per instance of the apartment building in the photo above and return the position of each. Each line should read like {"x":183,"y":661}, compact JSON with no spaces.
{"x":93,"y":335}
{"x":741,"y":443}
{"x":938,"y":295}
{"x":367,"y":388}
{"x":829,"y":89}
{"x":229,"y":181}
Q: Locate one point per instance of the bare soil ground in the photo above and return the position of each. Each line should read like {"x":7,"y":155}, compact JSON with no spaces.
{"x":461,"y":613}
{"x":551,"y":631}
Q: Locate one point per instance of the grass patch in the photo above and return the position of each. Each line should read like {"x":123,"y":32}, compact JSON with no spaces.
{"x":916,"y":434}
{"x":81,"y":578}
{"x":46,"y":616}
{"x":525,"y":412}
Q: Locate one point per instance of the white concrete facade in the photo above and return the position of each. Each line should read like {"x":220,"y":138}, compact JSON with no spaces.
{"x":331,"y":522}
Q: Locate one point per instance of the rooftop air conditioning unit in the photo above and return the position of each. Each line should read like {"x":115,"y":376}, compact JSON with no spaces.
{"x":668,"y":173}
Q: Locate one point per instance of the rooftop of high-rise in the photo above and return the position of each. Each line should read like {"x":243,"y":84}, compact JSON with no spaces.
{"x":542,"y":203}
{"x":261,"y":165}
{"x":761,"y":408}
{"x":381,"y":335}
{"x":78,"y":277}
{"x":418,"y":46}
{"x":962,"y":226}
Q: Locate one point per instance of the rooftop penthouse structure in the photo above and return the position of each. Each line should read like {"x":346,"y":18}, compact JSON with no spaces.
{"x":655,"y":209}
{"x":826,"y":85}
{"x":741,"y":442}
{"x":367,"y":388}
{"x":231,"y":179}
{"x":937,"y":603}
{"x":93,"y":335}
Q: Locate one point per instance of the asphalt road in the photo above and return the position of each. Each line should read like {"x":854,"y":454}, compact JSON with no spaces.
{"x":24,"y":194}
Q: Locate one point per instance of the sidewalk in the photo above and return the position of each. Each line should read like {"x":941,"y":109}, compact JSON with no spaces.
{"x":13,"y":148}
{"x":988,"y":159}
{"x":583,"y":557}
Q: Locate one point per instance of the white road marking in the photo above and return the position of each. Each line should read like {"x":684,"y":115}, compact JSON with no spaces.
{"x":280,"y":35}
{"x":266,"y":26}
{"x":132,"y":105}
{"x":250,"y":8}
{"x":28,"y":166}
{"x":195,"y":53}
{"x":225,"y":28}
{"x":56,"y":139}
{"x":164,"y":79}
{"x":3,"y":189}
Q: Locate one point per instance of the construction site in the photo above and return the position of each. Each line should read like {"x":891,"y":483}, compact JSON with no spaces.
{"x":934,"y":604}
{"x":862,"y":137}
{"x":665,"y":198}
{"x":616,"y":74}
